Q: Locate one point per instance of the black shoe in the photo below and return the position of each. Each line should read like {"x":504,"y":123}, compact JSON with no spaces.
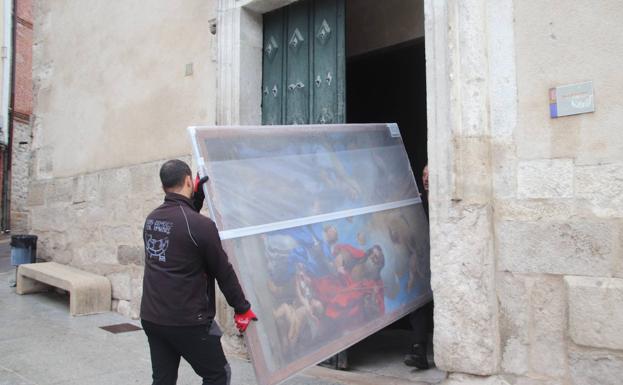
{"x":417,"y":357}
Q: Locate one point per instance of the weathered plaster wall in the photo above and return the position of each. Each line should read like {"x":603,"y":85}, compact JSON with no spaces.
{"x":112,"y":102}
{"x":111,"y":84}
{"x":373,"y":24}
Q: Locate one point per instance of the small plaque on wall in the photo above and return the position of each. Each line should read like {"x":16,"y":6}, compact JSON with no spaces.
{"x":571,"y":99}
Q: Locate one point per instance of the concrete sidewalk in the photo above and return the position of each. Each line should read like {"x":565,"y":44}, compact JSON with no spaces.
{"x":40,"y":343}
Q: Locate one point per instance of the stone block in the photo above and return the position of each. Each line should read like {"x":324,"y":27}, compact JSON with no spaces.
{"x":602,"y":187}
{"x":127,"y":212}
{"x":104,"y":268}
{"x":82,"y":253}
{"x":20,"y":169}
{"x":515,"y":355}
{"x":596,"y":311}
{"x":114,"y":184}
{"x":504,"y":167}
{"x":60,"y":191}
{"x":127,"y":254}
{"x":86,"y":188}
{"x":535,"y":210}
{"x":121,"y":285}
{"x":36,"y":194}
{"x":502,"y":73}
{"x":20,"y":222}
{"x":527,"y":380}
{"x":545,"y":178}
{"x":595,"y":367}
{"x":145,"y":179}
{"x":514,"y":299}
{"x":463,"y":274}
{"x":466,"y":379}
{"x":547,"y":338}
{"x":94,"y":215}
{"x":137,"y":295}
{"x":53,"y":245}
{"x":45,"y":218}
{"x":114,"y":304}
{"x":105,"y":253}
{"x":472,"y":183}
{"x":123,"y":308}
{"x":578,"y":248}
{"x":120,"y":234}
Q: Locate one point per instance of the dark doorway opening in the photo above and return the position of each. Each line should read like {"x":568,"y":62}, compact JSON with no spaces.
{"x":389,"y":85}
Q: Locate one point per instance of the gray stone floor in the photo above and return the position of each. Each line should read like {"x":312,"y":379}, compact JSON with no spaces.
{"x":40,"y":343}
{"x":5,"y":254}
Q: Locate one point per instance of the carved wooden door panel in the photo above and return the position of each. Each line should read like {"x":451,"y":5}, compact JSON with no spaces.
{"x":303,"y":75}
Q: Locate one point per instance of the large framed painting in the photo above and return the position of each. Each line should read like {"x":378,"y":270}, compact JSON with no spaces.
{"x":325,"y":227}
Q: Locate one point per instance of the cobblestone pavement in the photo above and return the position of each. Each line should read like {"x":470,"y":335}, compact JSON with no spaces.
{"x":40,"y":343}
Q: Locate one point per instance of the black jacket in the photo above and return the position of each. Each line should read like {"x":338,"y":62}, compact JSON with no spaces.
{"x":183,"y":257}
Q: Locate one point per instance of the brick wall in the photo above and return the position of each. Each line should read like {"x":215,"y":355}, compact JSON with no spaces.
{"x":22,"y":110}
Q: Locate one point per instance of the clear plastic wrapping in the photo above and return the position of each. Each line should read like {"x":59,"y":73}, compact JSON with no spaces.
{"x":325,"y":227}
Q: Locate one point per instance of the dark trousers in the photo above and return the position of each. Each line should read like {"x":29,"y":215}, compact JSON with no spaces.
{"x":199,"y":345}
{"x":422,"y":323}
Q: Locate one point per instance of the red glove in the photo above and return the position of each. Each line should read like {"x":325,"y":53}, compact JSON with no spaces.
{"x":243,"y":320}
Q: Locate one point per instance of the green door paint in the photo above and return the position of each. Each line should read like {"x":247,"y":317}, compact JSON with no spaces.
{"x":303,"y":74}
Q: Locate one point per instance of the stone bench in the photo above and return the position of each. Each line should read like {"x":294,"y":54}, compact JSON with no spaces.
{"x":88,"y":293}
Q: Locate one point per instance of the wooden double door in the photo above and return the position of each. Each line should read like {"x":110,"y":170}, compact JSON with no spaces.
{"x":303,"y":78}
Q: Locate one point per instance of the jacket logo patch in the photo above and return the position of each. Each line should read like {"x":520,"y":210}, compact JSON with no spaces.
{"x":158,"y":226}
{"x":157,"y":248}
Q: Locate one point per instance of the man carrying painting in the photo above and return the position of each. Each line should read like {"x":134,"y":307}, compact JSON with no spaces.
{"x":183,"y":258}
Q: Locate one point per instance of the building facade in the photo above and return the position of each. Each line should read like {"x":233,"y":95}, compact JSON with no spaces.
{"x":20,"y":114}
{"x":526,"y":213}
{"x":16,"y":34}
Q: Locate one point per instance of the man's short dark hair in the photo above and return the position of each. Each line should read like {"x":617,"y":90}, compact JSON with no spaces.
{"x":173,"y":172}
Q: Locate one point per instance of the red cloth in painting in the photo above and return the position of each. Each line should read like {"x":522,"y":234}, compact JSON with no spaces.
{"x":344,"y":297}
{"x":352,"y":250}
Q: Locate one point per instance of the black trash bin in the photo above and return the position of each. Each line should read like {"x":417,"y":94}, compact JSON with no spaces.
{"x":23,"y":249}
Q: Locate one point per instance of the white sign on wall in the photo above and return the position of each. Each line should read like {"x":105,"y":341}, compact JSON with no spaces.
{"x":571,"y":99}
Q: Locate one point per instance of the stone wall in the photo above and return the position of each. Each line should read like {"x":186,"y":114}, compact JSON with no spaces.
{"x":558,"y":225}
{"x":112,"y":101}
{"x":21,"y":115}
{"x":526,"y":211}
{"x":95,"y":221}
{"x":20,"y":177}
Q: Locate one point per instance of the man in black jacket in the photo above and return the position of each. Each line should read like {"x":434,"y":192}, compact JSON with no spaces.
{"x":183,"y":257}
